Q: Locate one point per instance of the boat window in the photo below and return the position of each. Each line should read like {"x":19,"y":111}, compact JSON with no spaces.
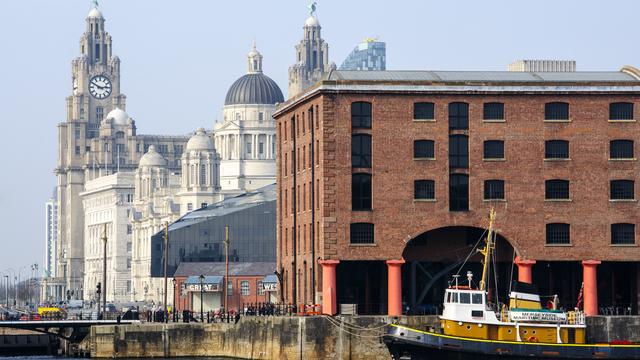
{"x":448,"y":297}
{"x":465,"y":298}
{"x":476,"y":298}
{"x":454,"y":297}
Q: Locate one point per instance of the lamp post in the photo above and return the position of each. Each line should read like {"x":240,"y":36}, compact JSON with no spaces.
{"x":174,"y":299}
{"x":201,"y":297}
{"x":104,"y":271}
{"x":226,"y":272}
{"x":166,"y":256}
{"x":6,"y":290}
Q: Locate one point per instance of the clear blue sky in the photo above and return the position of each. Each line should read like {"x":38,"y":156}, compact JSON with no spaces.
{"x":180,"y":57}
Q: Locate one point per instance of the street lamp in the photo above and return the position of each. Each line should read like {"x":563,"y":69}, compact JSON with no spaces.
{"x":174,"y":299}
{"x":201,"y":297}
{"x":6,"y":290}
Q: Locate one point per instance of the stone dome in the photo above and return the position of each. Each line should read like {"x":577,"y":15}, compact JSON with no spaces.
{"x":312,"y":21}
{"x":118,"y":116}
{"x":254,"y":88}
{"x":152,"y":158}
{"x":200,"y":141}
{"x":95,"y":13}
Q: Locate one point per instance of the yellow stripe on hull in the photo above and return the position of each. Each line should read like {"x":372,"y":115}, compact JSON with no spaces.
{"x":528,"y":333}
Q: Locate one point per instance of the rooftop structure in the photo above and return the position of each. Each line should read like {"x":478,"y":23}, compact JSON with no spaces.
{"x":369,"y":55}
{"x":543,"y":65}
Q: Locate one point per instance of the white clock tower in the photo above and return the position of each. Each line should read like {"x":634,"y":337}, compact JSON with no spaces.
{"x":95,"y":86}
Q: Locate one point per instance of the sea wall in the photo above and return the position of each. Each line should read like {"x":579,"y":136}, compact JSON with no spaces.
{"x":353,"y":337}
{"x":253,"y":338}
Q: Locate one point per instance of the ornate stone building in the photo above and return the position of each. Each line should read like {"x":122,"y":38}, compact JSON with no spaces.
{"x":98,"y":138}
{"x":246,"y":137}
{"x":312,"y":58}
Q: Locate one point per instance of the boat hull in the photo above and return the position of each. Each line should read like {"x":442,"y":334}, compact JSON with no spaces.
{"x":416,"y":344}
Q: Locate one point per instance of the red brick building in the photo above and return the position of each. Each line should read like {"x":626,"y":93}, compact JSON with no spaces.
{"x":385,"y":181}
{"x":245,"y":285}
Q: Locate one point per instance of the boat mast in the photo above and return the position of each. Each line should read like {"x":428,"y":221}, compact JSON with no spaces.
{"x":486,"y":252}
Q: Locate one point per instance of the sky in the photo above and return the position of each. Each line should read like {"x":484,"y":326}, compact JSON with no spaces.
{"x":180,"y":57}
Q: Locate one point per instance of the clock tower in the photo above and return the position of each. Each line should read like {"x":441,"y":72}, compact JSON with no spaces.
{"x":95,"y":91}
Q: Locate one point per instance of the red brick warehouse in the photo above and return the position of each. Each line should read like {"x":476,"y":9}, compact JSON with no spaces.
{"x":385,"y":180}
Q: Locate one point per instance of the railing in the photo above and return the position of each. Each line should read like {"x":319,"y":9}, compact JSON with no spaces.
{"x":616,"y":310}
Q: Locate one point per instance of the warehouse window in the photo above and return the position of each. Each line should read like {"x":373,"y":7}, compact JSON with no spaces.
{"x":423,"y":111}
{"x":556,"y":149}
{"x":245,"y":290}
{"x":556,"y":111}
{"x":361,"y":151}
{"x":494,"y":111}
{"x":621,"y":149}
{"x":458,"y":192}
{"x":493,"y":149}
{"x":361,"y":192}
{"x":558,"y":234}
{"x":556,"y":189}
{"x":361,"y":115}
{"x":361,"y":233}
{"x":494,"y":190}
{"x":621,"y":111}
{"x":622,"y":190}
{"x":458,"y":116}
{"x":424,"y":190}
{"x":458,"y":151}
{"x":423,"y":149}
{"x":623,"y":234}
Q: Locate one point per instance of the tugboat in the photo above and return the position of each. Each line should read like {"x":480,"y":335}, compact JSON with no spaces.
{"x":473,"y":328}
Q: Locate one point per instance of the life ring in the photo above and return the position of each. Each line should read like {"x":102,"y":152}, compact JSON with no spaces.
{"x":532,"y":339}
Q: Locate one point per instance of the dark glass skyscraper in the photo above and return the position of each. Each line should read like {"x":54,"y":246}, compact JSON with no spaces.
{"x":369,"y":55}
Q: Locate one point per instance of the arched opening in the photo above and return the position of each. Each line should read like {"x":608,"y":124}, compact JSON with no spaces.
{"x":433,"y":257}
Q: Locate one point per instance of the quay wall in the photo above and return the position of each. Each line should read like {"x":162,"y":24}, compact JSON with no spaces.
{"x":290,"y":337}
{"x":253,"y":338}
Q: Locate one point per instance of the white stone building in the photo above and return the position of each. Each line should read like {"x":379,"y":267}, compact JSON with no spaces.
{"x":108,"y":202}
{"x":97,"y":138}
{"x":246,"y":137}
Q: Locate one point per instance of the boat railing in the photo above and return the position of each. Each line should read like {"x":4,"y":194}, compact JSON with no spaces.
{"x":575,"y":318}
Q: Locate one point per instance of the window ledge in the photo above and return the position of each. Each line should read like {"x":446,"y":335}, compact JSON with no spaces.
{"x":622,"y":121}
{"x":491,"y":200}
{"x":492,"y":159}
{"x":362,"y":210}
{"x":425,"y":200}
{"x":557,"y":159}
{"x":363,"y":245}
{"x":424,"y":120}
{"x":624,"y":245}
{"x":623,"y":159}
{"x":494,"y":120}
{"x":558,"y":245}
{"x":424,"y":159}
{"x":558,"y":200}
{"x":623,"y":200}
{"x":557,"y":121}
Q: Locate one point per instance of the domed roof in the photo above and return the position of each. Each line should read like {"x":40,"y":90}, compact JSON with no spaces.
{"x":95,"y":13}
{"x":254,"y":88}
{"x":312,"y":21}
{"x":200,"y":141}
{"x":152,"y":158}
{"x":118,"y":116}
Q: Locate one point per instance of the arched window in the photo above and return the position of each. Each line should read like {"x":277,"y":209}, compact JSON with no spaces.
{"x":558,"y":234}
{"x":556,"y":111}
{"x":458,"y":192}
{"x":423,"y":149}
{"x":423,"y":111}
{"x":556,"y":189}
{"x":621,"y":111}
{"x":493,"y":149}
{"x":623,"y":234}
{"x":494,"y":189}
{"x":493,"y":111}
{"x":621,"y":149}
{"x":361,"y":115}
{"x":119,"y":135}
{"x":622,"y":190}
{"x":556,"y":149}
{"x":424,"y":190}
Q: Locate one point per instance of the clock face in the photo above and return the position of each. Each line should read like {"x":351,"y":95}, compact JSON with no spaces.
{"x":100,"y":87}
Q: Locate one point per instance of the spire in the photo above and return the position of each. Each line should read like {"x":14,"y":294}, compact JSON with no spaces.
{"x":254,"y":60}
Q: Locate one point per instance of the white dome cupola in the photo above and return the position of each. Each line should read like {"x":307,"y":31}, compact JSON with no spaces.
{"x":200,"y":141}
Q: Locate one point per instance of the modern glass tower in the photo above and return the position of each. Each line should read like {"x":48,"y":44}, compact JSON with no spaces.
{"x":370,"y":55}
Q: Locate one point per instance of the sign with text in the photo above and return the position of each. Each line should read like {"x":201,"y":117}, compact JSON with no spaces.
{"x":205,"y":287}
{"x":269,"y":286}
{"x":537,"y":316}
